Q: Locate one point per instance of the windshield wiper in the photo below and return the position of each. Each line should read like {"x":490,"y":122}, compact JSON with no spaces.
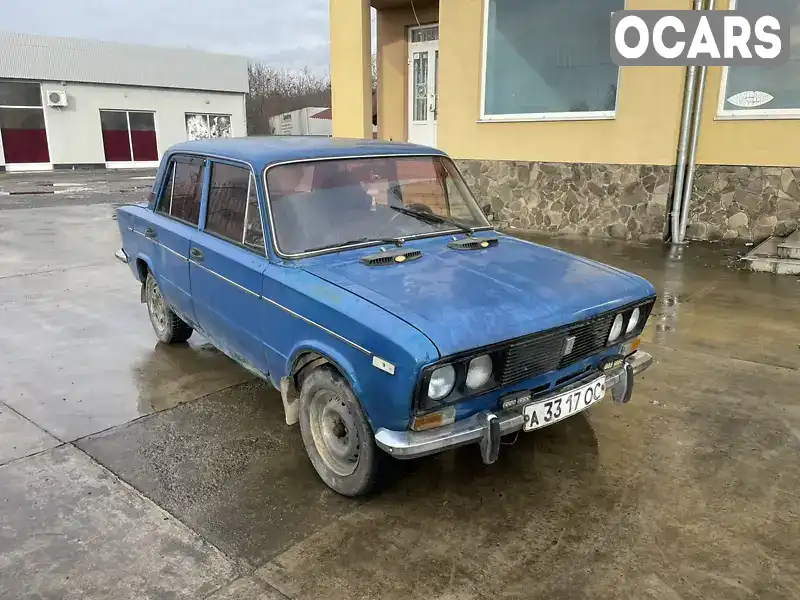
{"x":431,"y":218}
{"x":398,"y":241}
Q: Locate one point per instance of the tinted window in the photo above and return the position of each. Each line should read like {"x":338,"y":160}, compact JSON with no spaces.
{"x":183,"y":190}
{"x":227,"y":201}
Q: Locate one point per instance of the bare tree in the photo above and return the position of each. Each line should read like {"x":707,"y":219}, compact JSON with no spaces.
{"x":274,"y":91}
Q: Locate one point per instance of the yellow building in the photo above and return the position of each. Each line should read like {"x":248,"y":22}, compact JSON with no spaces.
{"x":552,"y":134}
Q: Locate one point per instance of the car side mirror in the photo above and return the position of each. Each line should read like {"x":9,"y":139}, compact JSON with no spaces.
{"x":487,"y":210}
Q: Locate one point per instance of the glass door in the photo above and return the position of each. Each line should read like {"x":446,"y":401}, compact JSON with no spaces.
{"x":23,"y":133}
{"x":423,"y":53}
{"x":129,"y":138}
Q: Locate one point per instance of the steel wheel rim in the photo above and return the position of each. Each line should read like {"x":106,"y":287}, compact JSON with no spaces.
{"x":335,"y":434}
{"x":156,"y":306}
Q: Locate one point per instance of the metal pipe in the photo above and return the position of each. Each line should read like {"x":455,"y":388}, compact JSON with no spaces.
{"x":683,"y":143}
{"x":690,"y":166}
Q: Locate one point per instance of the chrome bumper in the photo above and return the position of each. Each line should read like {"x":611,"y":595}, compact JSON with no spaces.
{"x":122,"y":256}
{"x":486,"y":427}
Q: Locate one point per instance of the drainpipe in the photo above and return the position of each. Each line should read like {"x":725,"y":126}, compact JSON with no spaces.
{"x":697,"y":114}
{"x":683,"y":143}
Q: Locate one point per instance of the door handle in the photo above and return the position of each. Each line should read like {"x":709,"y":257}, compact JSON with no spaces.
{"x":150,"y":233}
{"x":196,"y":254}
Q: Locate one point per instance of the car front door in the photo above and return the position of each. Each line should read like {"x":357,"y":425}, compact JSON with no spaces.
{"x":227,"y":262}
{"x":177,"y":213}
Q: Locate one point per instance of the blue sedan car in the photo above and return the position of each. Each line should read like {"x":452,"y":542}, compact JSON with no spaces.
{"x":364,"y":281}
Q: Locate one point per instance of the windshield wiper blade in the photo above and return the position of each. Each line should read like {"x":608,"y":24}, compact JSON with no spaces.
{"x":431,"y":218}
{"x":398,"y":241}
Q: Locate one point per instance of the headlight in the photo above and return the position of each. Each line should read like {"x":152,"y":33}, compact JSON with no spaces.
{"x":479,"y":371}
{"x":441,"y":383}
{"x":616,"y":329}
{"x":634,"y":320}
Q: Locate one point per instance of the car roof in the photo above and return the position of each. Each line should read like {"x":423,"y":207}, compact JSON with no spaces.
{"x":267,"y":150}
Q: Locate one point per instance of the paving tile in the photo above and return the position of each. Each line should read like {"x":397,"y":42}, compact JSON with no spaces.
{"x":229,"y":467}
{"x":71,"y":530}
{"x":247,"y":588}
{"x":19,"y":437}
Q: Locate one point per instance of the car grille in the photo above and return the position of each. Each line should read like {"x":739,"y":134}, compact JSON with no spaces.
{"x":542,"y":352}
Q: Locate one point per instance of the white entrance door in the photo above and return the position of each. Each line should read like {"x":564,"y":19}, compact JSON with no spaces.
{"x":423,"y":92}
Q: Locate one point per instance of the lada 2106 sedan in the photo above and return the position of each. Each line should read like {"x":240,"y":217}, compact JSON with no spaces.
{"x":362,"y":280}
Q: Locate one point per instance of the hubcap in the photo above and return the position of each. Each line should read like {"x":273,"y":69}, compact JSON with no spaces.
{"x":156,"y":307}
{"x":334,"y":431}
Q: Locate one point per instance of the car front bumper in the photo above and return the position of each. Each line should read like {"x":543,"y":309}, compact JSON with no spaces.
{"x":486,"y":428}
{"x":122,"y":256}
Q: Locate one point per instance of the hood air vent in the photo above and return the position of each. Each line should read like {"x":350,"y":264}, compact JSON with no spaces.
{"x":390,"y":257}
{"x":472,"y":243}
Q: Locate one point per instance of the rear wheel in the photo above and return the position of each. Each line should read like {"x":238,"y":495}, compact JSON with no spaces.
{"x":169,"y":327}
{"x":336,"y":434}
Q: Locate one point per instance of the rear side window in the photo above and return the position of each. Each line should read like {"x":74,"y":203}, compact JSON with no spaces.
{"x":184,"y":189}
{"x":233,"y":206}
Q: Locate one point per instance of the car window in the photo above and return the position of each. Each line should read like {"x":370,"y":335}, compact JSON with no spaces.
{"x":233,"y":206}
{"x":183,"y":191}
{"x":253,"y":229}
{"x":351,"y":201}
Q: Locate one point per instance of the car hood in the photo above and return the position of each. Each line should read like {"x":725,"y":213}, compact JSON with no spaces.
{"x":469,"y":299}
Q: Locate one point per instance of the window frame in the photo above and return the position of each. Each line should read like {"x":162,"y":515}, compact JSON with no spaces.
{"x":132,"y":163}
{"x":170,"y":176}
{"x":596,"y":115}
{"x":745,"y":114}
{"x":38,"y":166}
{"x":253,"y":181}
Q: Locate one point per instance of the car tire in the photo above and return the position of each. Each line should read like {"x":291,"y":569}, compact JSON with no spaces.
{"x":336,"y":434}
{"x":168,"y":326}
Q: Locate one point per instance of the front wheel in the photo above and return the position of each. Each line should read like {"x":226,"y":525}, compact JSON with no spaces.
{"x":336,"y":434}
{"x":169,"y":327}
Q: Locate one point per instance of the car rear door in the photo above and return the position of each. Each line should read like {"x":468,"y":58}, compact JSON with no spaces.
{"x":174,"y":222}
{"x":227,"y":261}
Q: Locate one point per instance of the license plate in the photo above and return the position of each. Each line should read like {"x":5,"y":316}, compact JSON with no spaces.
{"x":546,"y":412}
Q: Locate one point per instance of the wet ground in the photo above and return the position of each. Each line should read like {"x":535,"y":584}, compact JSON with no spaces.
{"x":133,"y":470}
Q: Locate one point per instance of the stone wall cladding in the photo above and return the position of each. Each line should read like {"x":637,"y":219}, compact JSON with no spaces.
{"x":744,"y":203}
{"x":619,"y":201}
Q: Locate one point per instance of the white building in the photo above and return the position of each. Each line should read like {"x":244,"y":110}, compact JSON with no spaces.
{"x":314,"y":120}
{"x":72,"y":103}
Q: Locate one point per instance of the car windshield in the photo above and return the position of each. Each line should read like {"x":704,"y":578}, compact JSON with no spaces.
{"x":318,"y":205}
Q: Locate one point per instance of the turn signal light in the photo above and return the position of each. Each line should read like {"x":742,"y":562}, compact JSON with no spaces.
{"x":433,"y":420}
{"x":631,"y":347}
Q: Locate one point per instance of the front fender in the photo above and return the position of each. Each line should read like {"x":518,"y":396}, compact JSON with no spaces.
{"x":343,"y":363}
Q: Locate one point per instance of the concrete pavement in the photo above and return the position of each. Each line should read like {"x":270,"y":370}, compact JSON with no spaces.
{"x":133,"y":470}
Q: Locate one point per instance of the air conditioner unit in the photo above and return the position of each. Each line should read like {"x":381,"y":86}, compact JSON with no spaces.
{"x":56,"y":98}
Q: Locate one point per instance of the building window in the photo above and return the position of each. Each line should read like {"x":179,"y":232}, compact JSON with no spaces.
{"x":549,"y":60}
{"x":129,"y":136}
{"x":206,"y":126}
{"x":22,"y":127}
{"x":764,"y":92}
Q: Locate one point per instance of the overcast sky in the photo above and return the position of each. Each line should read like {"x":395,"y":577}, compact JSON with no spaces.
{"x":289,"y":33}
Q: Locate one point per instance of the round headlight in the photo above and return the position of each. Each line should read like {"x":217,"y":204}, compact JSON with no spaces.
{"x":616,"y":329}
{"x":633,"y":321}
{"x":479,"y":371}
{"x":442,"y":381}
